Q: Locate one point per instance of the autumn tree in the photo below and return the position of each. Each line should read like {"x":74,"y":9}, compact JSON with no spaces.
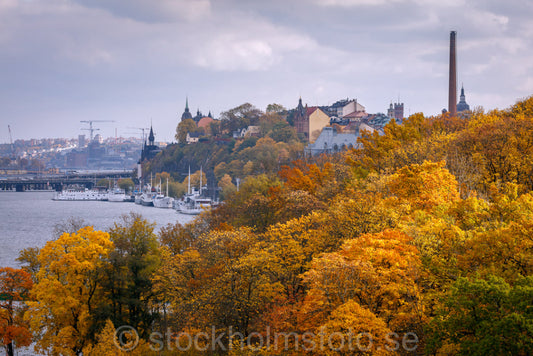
{"x":222,"y":280}
{"x":29,"y":260}
{"x":68,"y":289}
{"x":377,"y":271}
{"x":226,"y":185}
{"x":15,"y":286}
{"x":194,"y":179}
{"x":179,"y":238}
{"x":239,"y":117}
{"x":107,"y":343}
{"x":184,"y":127}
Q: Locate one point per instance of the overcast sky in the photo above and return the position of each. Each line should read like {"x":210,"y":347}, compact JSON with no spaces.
{"x":132,"y":61}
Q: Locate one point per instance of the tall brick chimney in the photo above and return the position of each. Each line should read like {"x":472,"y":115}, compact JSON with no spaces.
{"x":452,"y":93}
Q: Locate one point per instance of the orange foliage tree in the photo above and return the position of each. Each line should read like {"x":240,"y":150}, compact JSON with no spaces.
{"x":15,"y":285}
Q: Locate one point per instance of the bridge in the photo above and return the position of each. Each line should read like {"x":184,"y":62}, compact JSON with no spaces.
{"x":21,"y":183}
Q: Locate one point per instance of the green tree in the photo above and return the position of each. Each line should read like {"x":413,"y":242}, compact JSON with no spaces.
{"x":215,"y":128}
{"x":176,"y":189}
{"x":104,"y":182}
{"x":275,"y":108}
{"x":485,"y":317}
{"x":128,"y":271}
{"x":283,"y":132}
{"x":126,"y":184}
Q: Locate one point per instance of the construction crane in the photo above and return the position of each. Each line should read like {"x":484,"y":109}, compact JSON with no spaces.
{"x":91,"y":129}
{"x":140,"y":128}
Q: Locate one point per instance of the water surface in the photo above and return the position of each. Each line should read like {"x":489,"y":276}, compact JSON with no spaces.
{"x":27,"y":219}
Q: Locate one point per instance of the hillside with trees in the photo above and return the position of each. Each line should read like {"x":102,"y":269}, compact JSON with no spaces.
{"x":225,"y":158}
{"x":419,"y":242}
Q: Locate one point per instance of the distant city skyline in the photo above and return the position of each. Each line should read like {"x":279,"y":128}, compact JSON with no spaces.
{"x":136,"y":61}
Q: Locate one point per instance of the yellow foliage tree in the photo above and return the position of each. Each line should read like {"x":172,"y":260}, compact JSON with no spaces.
{"x":112,"y":342}
{"x":379,"y":271}
{"x":67,"y":289}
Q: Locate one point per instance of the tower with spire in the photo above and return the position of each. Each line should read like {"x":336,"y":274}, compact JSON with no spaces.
{"x":186,"y":114}
{"x":151,"y":137}
{"x":462,"y":105}
{"x":300,"y":117}
{"x":198,"y":116}
{"x":150,"y":150}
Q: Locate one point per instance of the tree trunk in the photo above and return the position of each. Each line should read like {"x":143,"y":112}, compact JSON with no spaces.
{"x":9,"y":349}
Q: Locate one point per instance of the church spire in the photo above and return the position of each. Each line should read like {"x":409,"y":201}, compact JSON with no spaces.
{"x":300,"y":107}
{"x":186,"y":114}
{"x":462,"y":105}
{"x":151,"y":137}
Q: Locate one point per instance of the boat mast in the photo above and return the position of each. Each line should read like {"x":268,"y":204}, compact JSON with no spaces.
{"x":201,"y":180}
{"x":167,"y":186}
{"x":189,"y":182}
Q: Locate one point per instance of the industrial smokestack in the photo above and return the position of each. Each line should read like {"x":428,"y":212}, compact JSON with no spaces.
{"x":452,"y":94}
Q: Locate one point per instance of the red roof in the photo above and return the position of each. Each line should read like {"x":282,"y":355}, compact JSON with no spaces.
{"x":205,"y":121}
{"x":311,"y":110}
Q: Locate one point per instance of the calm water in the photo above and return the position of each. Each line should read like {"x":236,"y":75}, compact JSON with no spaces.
{"x":28,"y":219}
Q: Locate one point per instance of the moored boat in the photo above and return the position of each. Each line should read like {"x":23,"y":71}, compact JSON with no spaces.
{"x":81,"y":194}
{"x":147,"y":196}
{"x":193,"y":203}
{"x":117,"y":195}
{"x":163,"y":201}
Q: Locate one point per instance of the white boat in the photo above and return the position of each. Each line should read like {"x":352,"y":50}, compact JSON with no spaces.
{"x":148,"y":195}
{"x":163,"y":201}
{"x":193,"y":203}
{"x":81,"y":194}
{"x":117,"y":195}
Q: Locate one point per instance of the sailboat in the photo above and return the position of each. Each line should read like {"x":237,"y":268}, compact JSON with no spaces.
{"x":193,"y":203}
{"x":163,"y":201}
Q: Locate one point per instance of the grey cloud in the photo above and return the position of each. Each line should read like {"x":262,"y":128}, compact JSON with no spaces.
{"x":132,"y":60}
{"x":154,"y":11}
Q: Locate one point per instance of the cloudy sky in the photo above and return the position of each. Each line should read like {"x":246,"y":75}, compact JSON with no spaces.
{"x":132,"y":61}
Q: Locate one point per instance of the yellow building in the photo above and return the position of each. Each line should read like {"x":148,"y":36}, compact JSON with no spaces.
{"x":310,"y":121}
